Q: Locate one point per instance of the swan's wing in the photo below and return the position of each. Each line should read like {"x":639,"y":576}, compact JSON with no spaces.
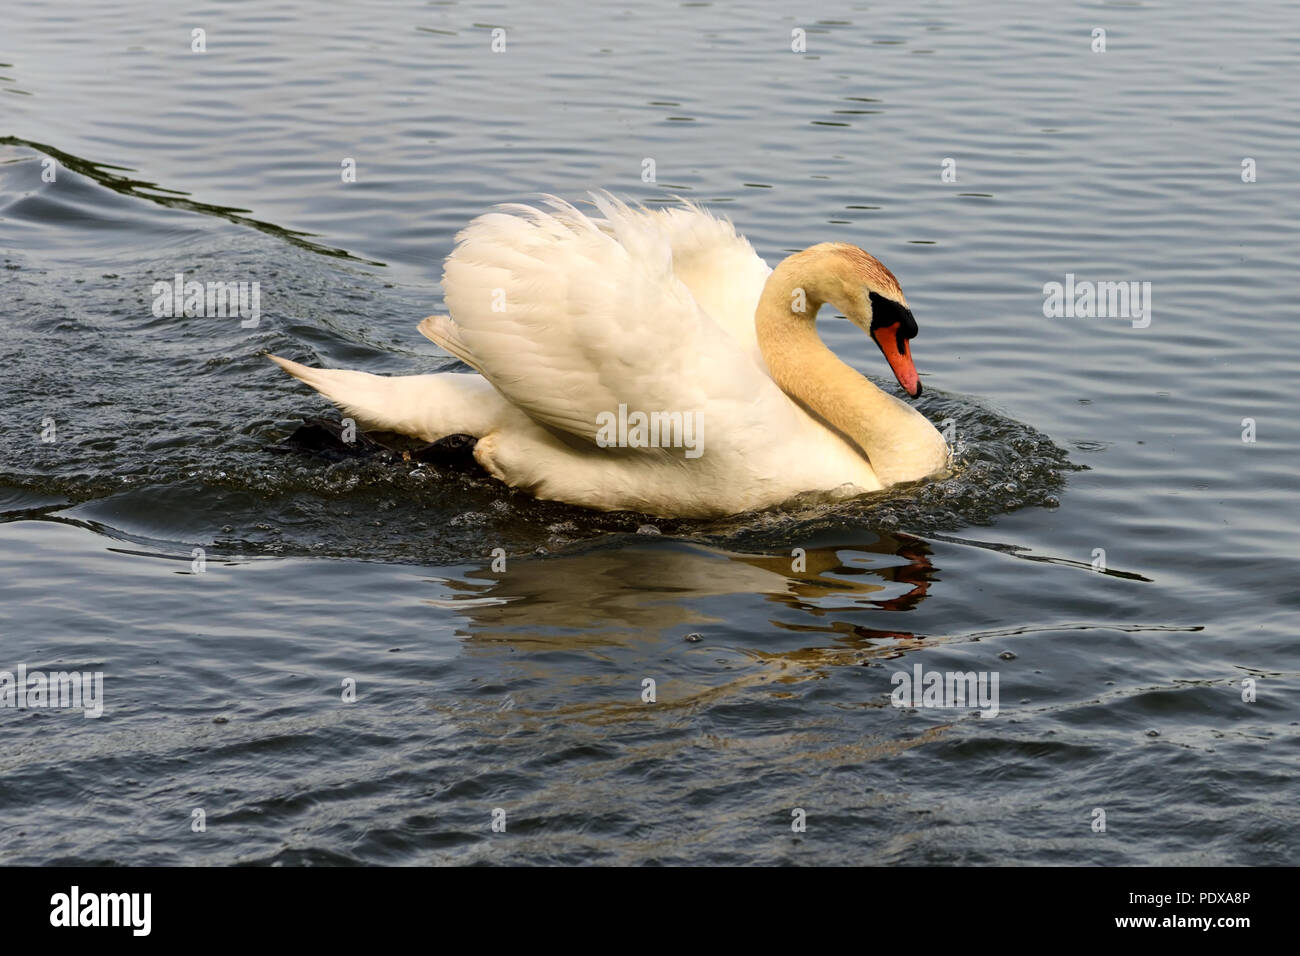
{"x":719,"y":266}
{"x":571,"y":317}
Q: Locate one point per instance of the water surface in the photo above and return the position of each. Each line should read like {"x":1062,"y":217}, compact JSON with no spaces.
{"x":1121,"y":688}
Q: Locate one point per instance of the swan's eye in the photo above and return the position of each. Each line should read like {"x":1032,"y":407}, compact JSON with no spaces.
{"x":887,"y":312}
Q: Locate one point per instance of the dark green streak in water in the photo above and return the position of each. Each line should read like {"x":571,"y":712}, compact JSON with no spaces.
{"x":107,"y":175}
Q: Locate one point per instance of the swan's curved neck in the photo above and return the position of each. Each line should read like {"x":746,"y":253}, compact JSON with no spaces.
{"x":884,"y":428}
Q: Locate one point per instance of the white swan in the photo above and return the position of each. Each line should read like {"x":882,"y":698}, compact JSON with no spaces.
{"x":568,"y":317}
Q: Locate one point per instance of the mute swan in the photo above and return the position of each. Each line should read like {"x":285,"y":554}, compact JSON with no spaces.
{"x":597,"y":337}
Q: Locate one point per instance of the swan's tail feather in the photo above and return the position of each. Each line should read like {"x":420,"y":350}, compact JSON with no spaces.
{"x":428,"y":407}
{"x":442,"y":330}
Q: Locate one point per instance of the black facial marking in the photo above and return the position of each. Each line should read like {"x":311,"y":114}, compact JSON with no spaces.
{"x":887,"y":312}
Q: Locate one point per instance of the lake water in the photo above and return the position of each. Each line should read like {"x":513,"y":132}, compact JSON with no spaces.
{"x":1117,"y":545}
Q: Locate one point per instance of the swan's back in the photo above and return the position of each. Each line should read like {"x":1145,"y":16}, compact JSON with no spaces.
{"x":718,"y":265}
{"x":570,"y":316}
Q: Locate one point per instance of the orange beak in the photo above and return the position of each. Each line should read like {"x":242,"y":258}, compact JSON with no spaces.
{"x":899,"y":356}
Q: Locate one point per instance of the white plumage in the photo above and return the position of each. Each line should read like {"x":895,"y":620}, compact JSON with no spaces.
{"x":567,"y":317}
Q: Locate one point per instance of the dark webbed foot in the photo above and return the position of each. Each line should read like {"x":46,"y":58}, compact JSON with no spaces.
{"x":324,"y":438}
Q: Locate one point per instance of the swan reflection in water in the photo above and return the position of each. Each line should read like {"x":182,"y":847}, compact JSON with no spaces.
{"x":618,"y":598}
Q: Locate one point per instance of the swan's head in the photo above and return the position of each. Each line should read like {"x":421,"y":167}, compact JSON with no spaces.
{"x":859,"y":285}
{"x":889,"y":322}
{"x":887,"y":319}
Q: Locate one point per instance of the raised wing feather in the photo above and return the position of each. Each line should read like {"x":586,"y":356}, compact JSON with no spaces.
{"x":720,"y":267}
{"x":570,"y":316}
